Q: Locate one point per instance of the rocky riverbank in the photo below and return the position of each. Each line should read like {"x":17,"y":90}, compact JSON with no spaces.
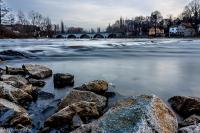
{"x":85,"y":108}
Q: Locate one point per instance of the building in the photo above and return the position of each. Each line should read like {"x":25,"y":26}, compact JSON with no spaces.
{"x":184,"y":30}
{"x":159,"y":32}
{"x":173,"y":31}
{"x":199,"y":28}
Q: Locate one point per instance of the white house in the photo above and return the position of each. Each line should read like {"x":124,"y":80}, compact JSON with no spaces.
{"x":183,"y":29}
{"x":173,"y":30}
{"x":199,"y":28}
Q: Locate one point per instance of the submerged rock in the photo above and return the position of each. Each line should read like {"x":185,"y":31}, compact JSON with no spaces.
{"x":15,"y":71}
{"x":37,"y":71}
{"x":192,"y":120}
{"x":45,"y":95}
{"x":12,"y":53}
{"x":142,"y":114}
{"x":79,"y":96}
{"x":37,"y":83}
{"x":190,"y":129}
{"x":63,"y":80}
{"x":12,"y":114}
{"x":185,"y":106}
{"x":96,"y":86}
{"x":12,"y":93}
{"x":65,"y":116}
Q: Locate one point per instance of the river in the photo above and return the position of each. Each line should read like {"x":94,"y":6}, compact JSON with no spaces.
{"x":164,"y":67}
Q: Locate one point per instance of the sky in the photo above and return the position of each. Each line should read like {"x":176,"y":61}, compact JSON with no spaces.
{"x":96,"y":13}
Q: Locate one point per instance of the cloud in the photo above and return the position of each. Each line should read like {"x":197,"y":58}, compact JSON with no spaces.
{"x":94,"y":13}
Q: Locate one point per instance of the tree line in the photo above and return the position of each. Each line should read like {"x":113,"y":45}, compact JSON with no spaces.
{"x":140,"y":25}
{"x":33,"y":24}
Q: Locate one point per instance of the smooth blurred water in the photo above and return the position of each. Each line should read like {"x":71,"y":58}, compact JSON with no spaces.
{"x":165,"y":67}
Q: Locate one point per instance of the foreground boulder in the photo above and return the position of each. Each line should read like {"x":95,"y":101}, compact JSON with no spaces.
{"x":79,"y":96}
{"x":63,"y":80}
{"x":37,"y":71}
{"x":192,"y":120}
{"x":142,"y":114}
{"x":12,"y":114}
{"x":185,"y":106}
{"x":97,"y":86}
{"x":12,"y":93}
{"x":190,"y":129}
{"x":65,"y":116}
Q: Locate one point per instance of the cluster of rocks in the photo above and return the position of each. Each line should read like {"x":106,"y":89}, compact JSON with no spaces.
{"x":17,"y":88}
{"x":189,"y":109}
{"x":84,"y":108}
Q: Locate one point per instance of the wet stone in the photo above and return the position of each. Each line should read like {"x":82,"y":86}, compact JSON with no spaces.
{"x":96,"y":86}
{"x":37,"y":83}
{"x":12,"y":114}
{"x":15,"y":71}
{"x":14,"y":94}
{"x":65,"y":116}
{"x":37,"y":71}
{"x":63,"y":80}
{"x":185,"y":106}
{"x":79,"y":96}
{"x":192,"y":120}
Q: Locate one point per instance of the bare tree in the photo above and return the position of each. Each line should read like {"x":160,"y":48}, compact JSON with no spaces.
{"x":22,"y":18}
{"x":11,"y":19}
{"x":156,"y":18}
{"x":47,"y":26}
{"x":3,"y":11}
{"x":36,"y":18}
{"x":192,"y":11}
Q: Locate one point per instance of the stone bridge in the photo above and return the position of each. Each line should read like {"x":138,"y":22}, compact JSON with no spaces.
{"x":88,"y":35}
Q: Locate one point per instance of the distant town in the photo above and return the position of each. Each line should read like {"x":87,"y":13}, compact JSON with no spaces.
{"x":35,"y":25}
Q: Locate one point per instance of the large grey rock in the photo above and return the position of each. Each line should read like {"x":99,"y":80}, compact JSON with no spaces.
{"x":96,"y":86}
{"x":185,"y":106}
{"x":190,"y":129}
{"x":12,"y":93}
{"x":141,"y":114}
{"x":65,"y":116}
{"x":79,"y":96}
{"x":37,"y":71}
{"x":192,"y":120}
{"x":12,"y":114}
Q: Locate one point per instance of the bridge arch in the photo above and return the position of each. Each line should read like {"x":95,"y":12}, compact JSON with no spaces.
{"x":60,"y":36}
{"x":84,"y":36}
{"x":112,"y":35}
{"x":71,"y":36}
{"x":98,"y":36}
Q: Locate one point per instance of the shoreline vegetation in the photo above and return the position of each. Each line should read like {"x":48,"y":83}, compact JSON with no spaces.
{"x":35,"y":25}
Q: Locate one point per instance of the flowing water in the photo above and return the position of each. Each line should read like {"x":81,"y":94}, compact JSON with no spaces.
{"x":164,"y":67}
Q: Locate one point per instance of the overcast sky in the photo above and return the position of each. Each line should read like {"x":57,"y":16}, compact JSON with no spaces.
{"x":94,"y":13}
